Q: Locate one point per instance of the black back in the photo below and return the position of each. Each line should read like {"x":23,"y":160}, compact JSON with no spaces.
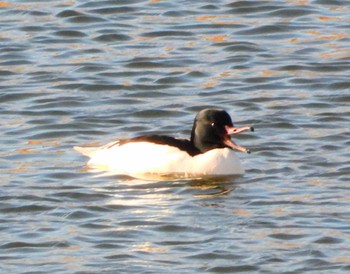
{"x":208,"y":132}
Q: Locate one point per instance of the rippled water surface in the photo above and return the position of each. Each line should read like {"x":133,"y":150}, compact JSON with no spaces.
{"x":88,"y":72}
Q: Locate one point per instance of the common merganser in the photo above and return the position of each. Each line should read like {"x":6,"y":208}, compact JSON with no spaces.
{"x":209,"y":152}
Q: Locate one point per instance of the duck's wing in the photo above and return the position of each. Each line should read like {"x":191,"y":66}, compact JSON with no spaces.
{"x":181,"y":144}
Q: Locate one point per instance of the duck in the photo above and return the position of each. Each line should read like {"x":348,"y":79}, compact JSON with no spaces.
{"x":210,"y":151}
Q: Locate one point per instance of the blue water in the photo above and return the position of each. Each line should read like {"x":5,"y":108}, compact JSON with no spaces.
{"x":89,"y":72}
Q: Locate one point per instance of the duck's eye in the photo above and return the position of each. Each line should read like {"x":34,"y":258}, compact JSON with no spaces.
{"x":212,"y":124}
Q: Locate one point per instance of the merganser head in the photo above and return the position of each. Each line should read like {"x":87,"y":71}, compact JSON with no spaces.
{"x":212,"y":128}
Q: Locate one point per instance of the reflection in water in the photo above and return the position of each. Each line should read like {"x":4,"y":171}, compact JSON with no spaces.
{"x":213,"y":186}
{"x":209,"y":186}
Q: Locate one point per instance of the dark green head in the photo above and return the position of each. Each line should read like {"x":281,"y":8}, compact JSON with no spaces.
{"x":209,"y":130}
{"x":212,"y":128}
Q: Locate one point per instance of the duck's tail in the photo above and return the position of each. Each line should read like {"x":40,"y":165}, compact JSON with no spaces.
{"x":89,"y":151}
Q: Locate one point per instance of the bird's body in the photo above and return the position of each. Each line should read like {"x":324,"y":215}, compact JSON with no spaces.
{"x":142,"y":158}
{"x":208,"y":152}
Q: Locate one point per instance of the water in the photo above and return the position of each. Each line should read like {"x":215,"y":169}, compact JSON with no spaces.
{"x":88,"y":72}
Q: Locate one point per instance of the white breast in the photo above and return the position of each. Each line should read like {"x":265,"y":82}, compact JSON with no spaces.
{"x":138,"y":158}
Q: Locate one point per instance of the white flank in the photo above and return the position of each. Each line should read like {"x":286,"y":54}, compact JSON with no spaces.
{"x":137,"y":158}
